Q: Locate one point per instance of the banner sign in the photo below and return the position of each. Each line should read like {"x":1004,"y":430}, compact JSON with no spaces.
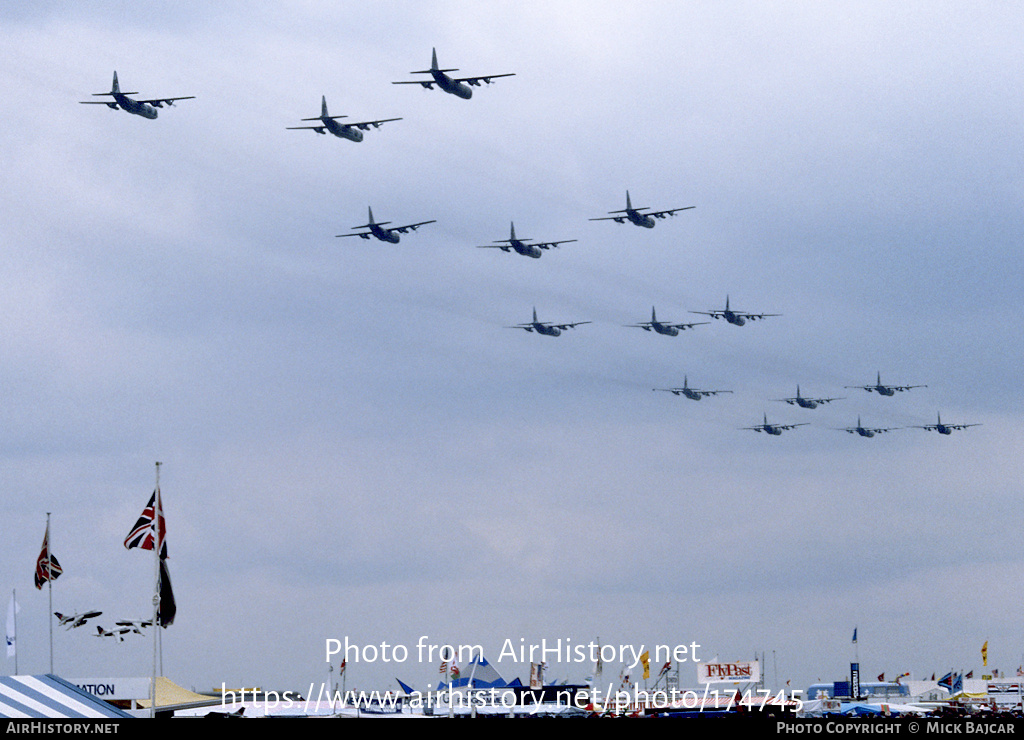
{"x":729,"y":672}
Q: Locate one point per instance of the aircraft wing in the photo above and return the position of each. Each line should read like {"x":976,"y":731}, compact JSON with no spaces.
{"x":160,"y":102}
{"x":902,"y":388}
{"x":318,"y":129}
{"x":486,"y":79}
{"x":412,"y":227}
{"x":569,"y":326}
{"x":363,"y":234}
{"x":619,"y":219}
{"x":756,"y":316}
{"x":549,"y":245}
{"x":663,"y":214}
{"x":684,"y":327}
{"x":365,"y":125}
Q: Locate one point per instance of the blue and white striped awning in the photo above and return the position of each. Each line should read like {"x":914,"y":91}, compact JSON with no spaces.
{"x":47,"y":696}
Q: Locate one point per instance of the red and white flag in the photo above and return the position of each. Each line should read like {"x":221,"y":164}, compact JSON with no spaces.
{"x":47,"y":567}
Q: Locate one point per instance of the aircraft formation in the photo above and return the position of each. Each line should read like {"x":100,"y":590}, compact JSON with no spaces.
{"x":644,"y":217}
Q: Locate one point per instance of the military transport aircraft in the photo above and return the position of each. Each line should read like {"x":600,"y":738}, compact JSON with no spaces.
{"x":669,"y":330}
{"x":885,"y":390}
{"x":806,"y":403}
{"x":776,"y":429}
{"x":459,"y":86}
{"x":694,"y":394}
{"x":545,"y":327}
{"x":633,"y":215}
{"x":521,"y":245}
{"x":350,"y":131}
{"x":944,"y":428}
{"x":867,"y":431}
{"x":735,"y":317}
{"x":144,"y":108}
{"x":75,"y":620}
{"x":376,"y":229}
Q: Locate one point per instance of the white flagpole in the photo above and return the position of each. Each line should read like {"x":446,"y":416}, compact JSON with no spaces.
{"x":14,"y":612}
{"x":49,"y":583}
{"x":156,"y":595}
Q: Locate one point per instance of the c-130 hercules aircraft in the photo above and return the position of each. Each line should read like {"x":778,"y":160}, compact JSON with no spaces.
{"x":350,"y":131}
{"x":522,"y":246}
{"x":634,"y":216}
{"x":376,"y":229}
{"x":458,"y":86}
{"x":546,"y":328}
{"x":144,"y":108}
{"x":662,"y":327}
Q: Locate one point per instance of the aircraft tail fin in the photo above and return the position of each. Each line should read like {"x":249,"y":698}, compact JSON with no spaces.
{"x":433,"y":66}
{"x":323,"y":106}
{"x":369,"y":210}
{"x":629,"y":204}
{"x":115,"y":88}
{"x":653,"y":317}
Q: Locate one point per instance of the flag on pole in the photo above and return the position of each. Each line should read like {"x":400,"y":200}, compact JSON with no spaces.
{"x":168,"y":607}
{"x":143,"y":534}
{"x":984,"y":654}
{"x":12,"y":609}
{"x":47,"y":567}
{"x":645,"y":659}
{"x":854,"y":635}
{"x":150,"y":533}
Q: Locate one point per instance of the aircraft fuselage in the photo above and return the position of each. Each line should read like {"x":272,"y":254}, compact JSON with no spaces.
{"x":449,"y":85}
{"x":773,"y":430}
{"x":884,"y":390}
{"x":865,"y":432}
{"x":527,"y":250}
{"x":548,"y":331}
{"x":385,"y":235}
{"x":943,"y":429}
{"x":636,"y":218}
{"x":131,"y":106}
{"x":668,"y":331}
{"x":341,"y":130}
{"x":806,"y":403}
{"x":733,"y":318}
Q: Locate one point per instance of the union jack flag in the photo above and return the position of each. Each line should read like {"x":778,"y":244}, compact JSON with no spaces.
{"x":142,"y":534}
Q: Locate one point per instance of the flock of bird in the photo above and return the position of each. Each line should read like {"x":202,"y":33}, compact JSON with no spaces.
{"x":640,"y":216}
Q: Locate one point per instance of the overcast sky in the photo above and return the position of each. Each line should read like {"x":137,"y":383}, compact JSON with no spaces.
{"x":354,"y":444}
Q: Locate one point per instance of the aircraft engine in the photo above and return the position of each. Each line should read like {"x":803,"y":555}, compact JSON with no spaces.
{"x":112,"y":106}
